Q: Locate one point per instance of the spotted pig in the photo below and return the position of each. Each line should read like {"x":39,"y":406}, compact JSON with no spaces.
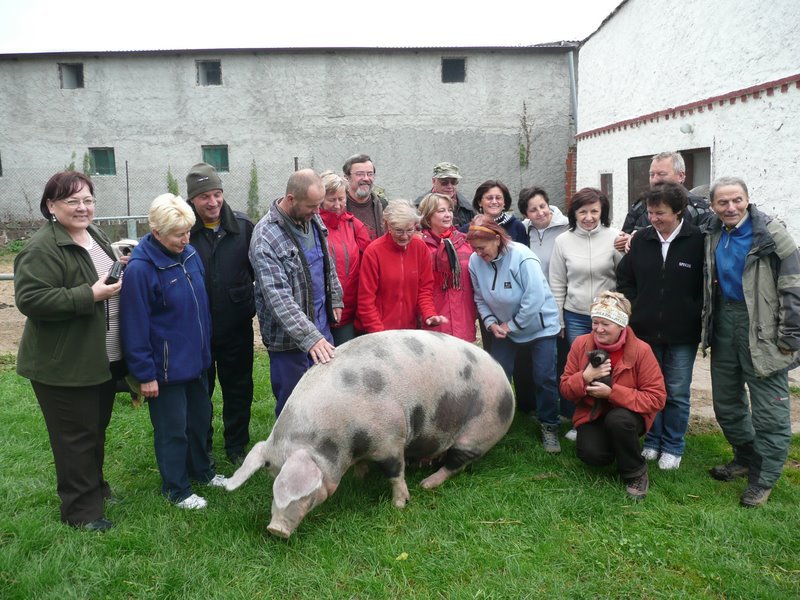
{"x":386,"y":397}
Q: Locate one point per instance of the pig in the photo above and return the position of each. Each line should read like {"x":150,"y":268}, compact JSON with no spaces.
{"x":596,"y":358}
{"x":385,"y":397}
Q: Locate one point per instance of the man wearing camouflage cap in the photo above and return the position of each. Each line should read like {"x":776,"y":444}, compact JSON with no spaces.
{"x":446,"y":177}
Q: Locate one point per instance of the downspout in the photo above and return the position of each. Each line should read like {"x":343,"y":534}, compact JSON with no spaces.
{"x":573,"y":92}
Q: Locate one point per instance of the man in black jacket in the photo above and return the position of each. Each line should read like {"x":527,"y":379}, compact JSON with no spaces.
{"x":666,"y":167}
{"x":222,"y":238}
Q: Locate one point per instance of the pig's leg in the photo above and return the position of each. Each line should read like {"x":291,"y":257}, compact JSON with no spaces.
{"x":454,"y":461}
{"x":394,"y":469}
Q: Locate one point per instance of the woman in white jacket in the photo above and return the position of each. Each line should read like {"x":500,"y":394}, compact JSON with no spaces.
{"x":583,"y":264}
{"x":543,"y":222}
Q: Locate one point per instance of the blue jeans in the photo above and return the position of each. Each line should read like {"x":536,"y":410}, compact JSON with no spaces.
{"x":669,"y":428}
{"x":575,"y":324}
{"x":180,"y":415}
{"x":543,"y":359}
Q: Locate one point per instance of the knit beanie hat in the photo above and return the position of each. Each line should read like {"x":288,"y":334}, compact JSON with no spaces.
{"x":202,"y":178}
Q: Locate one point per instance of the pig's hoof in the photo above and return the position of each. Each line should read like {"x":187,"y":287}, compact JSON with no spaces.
{"x":400,"y":502}
{"x":278,"y":531}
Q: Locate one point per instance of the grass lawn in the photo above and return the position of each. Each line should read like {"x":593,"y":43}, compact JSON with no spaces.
{"x":517,"y":524}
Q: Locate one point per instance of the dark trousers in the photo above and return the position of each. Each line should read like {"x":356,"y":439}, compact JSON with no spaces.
{"x":180,"y":415}
{"x":76,"y":419}
{"x":285,"y":370}
{"x":615,"y":436}
{"x":232,"y":362}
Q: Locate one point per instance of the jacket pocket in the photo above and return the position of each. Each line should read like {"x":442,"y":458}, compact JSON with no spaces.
{"x":241,"y":293}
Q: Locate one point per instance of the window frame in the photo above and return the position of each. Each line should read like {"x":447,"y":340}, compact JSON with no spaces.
{"x":74,"y":72}
{"x":209,"y":156}
{"x":201,"y":70}
{"x":447,"y":66}
{"x":109,"y":167}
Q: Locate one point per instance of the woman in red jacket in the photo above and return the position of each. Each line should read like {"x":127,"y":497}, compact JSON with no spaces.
{"x":347,"y":239}
{"x":395,"y":289}
{"x":450,"y":252}
{"x":611,"y":419}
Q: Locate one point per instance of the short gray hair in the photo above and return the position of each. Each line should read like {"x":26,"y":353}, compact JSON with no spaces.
{"x":400,"y":213}
{"x":170,"y":213}
{"x":678,"y":165}
{"x":332,"y":181}
{"x":723,"y":181}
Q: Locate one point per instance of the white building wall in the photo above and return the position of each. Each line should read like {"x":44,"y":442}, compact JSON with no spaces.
{"x":320,"y":106}
{"x":653,"y":55}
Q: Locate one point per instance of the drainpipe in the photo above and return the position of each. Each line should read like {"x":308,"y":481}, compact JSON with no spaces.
{"x":573,"y":91}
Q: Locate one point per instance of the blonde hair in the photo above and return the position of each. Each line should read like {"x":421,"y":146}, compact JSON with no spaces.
{"x":400,"y":213}
{"x":429,"y":205}
{"x":332,"y":181}
{"x":169,"y":213}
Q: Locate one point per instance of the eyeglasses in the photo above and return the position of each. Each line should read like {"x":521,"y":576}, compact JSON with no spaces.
{"x":448,"y":181}
{"x":402,"y":232}
{"x":88,"y":202}
{"x":364,"y":173}
{"x":494,"y":199}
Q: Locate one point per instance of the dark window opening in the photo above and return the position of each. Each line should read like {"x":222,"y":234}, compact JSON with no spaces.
{"x":209,"y":72}
{"x":698,"y":172}
{"x":454,"y":70}
{"x":70,"y":75}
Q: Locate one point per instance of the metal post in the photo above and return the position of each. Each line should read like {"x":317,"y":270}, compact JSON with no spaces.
{"x":296,"y":164}
{"x":128,"y":192}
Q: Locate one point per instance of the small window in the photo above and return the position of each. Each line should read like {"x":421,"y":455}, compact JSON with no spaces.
{"x":101,"y":161}
{"x":209,"y":72}
{"x":71,"y":75}
{"x":454,"y":70}
{"x":217,"y":157}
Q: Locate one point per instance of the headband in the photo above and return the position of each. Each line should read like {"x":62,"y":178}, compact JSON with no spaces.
{"x":482,"y":228}
{"x":610,"y":313}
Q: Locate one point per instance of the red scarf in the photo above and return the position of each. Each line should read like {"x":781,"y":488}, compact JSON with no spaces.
{"x":614,"y":350}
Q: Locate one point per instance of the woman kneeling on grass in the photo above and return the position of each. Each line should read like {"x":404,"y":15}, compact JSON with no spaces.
{"x":610,"y":420}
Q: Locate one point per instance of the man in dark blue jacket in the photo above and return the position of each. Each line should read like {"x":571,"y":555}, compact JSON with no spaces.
{"x":222,"y":239}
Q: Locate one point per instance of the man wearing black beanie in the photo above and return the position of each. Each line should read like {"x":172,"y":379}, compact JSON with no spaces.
{"x":222,"y":238}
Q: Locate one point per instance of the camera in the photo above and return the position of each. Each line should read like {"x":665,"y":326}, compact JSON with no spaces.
{"x":115,"y":273}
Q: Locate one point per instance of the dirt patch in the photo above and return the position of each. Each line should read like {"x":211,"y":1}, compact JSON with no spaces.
{"x":11,"y":320}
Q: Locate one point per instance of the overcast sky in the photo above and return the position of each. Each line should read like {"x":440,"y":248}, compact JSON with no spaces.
{"x":63,"y":25}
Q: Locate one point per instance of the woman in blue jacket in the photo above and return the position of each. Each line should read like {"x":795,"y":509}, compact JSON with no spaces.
{"x":518,"y":310}
{"x":166,"y":337}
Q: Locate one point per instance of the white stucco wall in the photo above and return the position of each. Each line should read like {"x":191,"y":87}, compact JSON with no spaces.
{"x":319,"y":106}
{"x":713,"y":49}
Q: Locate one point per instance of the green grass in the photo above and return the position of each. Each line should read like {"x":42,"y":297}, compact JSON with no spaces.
{"x":517,"y":524}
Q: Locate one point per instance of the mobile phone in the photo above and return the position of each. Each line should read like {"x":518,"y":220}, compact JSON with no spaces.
{"x":115,"y":273}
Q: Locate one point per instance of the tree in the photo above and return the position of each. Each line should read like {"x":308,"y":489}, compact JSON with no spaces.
{"x":253,"y":210}
{"x":172,"y":183}
{"x":88,"y":164}
{"x":71,"y":165}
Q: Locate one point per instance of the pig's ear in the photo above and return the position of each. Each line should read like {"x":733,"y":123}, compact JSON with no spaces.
{"x":300,"y":479}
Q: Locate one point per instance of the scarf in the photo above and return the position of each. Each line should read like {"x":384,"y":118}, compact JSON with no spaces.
{"x":614,"y":350}
{"x":445,"y":260}
{"x":503,"y":219}
{"x":333,"y":220}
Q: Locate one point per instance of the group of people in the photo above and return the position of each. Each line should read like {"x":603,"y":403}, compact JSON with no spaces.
{"x":333,"y":259}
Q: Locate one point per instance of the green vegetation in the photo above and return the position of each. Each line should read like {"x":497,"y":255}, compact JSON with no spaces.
{"x":13,"y":247}
{"x":172,"y":183}
{"x":253,"y":208}
{"x":517,"y":524}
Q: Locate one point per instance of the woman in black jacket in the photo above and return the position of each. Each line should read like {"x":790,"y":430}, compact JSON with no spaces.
{"x":662,"y":276}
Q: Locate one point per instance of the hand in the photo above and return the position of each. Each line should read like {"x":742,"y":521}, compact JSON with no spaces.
{"x":149,"y":389}
{"x":337,"y":314}
{"x":562,"y":333}
{"x":622,"y":243}
{"x":598,"y":390}
{"x":103,"y":291}
{"x":124,"y":259}
{"x":785,"y":350}
{"x":591,"y":373}
{"x":436,"y":320}
{"x":322,"y":352}
{"x":500,"y":330}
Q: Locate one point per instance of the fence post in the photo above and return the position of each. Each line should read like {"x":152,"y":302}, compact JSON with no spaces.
{"x":128,"y":194}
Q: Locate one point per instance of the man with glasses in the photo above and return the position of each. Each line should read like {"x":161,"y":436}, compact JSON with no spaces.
{"x":446,"y":178}
{"x":363,"y":200}
{"x":298,"y":295}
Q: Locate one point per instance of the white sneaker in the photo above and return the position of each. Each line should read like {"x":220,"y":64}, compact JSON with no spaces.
{"x":193,"y":502}
{"x":650,"y":453}
{"x":217,"y":481}
{"x":669,"y":462}
{"x":571,"y":435}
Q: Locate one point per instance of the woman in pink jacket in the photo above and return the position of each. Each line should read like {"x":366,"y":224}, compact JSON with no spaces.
{"x":610,"y":418}
{"x":347,"y":239}
{"x":450,"y":252}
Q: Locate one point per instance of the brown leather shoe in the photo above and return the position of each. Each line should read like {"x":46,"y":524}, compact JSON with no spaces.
{"x":754,"y":496}
{"x":637,"y":487}
{"x":729,"y":472}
